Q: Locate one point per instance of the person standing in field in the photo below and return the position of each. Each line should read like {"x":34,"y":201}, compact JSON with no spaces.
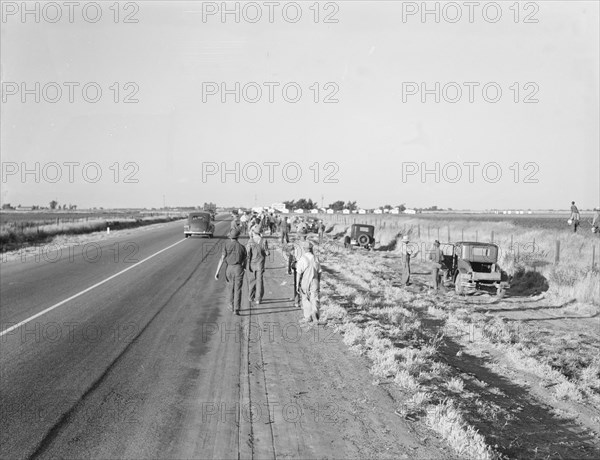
{"x":596,"y":221}
{"x":234,"y":256}
{"x":408,"y":253}
{"x":308,"y":283}
{"x":321,"y":231}
{"x":258,"y":251}
{"x":285,"y":228}
{"x":574,"y":216}
{"x":437,"y":258}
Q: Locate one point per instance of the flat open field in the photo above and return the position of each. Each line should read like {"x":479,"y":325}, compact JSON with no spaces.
{"x":541,"y":220}
{"x":512,"y":376}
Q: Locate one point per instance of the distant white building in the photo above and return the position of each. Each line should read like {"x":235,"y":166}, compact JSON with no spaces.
{"x":410,"y":211}
{"x":314,"y":211}
{"x":346,"y":211}
{"x":329,"y":211}
{"x":378,"y":211}
{"x":362,"y":211}
{"x":299,"y":211}
{"x":395,"y":211}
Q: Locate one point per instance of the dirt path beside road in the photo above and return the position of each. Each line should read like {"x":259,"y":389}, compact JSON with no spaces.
{"x":304,"y":395}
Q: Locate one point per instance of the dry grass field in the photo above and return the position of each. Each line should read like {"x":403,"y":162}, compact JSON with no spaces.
{"x":22,"y":228}
{"x":517,"y":376}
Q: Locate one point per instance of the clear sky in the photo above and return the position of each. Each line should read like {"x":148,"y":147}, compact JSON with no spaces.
{"x":370,"y":146}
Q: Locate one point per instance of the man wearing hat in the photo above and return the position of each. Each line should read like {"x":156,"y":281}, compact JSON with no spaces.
{"x":285,"y":229}
{"x":596,"y":221}
{"x":308,"y":282}
{"x":408,"y":253}
{"x":436,"y":256}
{"x":321,"y":231}
{"x":257,"y":250}
{"x":295,"y":252}
{"x":234,"y":255}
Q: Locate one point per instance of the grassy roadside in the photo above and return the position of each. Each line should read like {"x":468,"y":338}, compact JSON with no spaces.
{"x":569,"y":269}
{"x":14,"y":238}
{"x":406,"y":336}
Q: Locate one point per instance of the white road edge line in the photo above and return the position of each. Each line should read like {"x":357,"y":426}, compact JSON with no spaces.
{"x":37,"y":315}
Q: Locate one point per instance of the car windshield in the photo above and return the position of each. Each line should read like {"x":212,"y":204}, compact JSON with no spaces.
{"x":487,"y":254}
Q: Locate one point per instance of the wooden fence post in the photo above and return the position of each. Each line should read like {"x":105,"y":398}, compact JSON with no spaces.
{"x":419,"y":231}
{"x":448,"y":233}
{"x":557,"y":253}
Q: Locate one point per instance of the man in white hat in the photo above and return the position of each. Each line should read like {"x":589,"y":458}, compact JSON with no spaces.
{"x":308,"y":282}
{"x":408,"y":252}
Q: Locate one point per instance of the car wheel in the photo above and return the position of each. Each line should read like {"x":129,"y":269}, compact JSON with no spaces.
{"x":363,"y":240}
{"x":458,"y":288}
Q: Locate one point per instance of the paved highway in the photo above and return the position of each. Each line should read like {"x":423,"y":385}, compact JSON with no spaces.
{"x":114,"y":371}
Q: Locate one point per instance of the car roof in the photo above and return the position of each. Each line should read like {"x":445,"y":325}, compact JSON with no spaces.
{"x":199,"y":213}
{"x":476,"y":243}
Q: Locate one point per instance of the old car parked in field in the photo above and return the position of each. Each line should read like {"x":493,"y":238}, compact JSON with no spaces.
{"x":362,"y":235}
{"x":472,"y":265}
{"x":200,"y":224}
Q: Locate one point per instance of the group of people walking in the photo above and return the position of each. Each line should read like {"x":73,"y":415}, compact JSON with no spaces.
{"x":303,"y":264}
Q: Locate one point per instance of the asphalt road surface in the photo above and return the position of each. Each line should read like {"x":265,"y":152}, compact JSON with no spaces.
{"x":125,"y":349}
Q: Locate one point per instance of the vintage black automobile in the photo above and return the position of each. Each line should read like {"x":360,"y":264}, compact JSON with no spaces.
{"x":362,"y":235}
{"x":472,"y":265}
{"x":199,"y":224}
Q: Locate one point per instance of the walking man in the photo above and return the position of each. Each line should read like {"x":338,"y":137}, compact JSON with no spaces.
{"x":244,"y":224}
{"x":408,"y":253}
{"x":574,"y":216}
{"x":437,"y":258}
{"x":234,"y":256}
{"x":295,"y":252}
{"x":308,"y":283}
{"x":258,"y":251}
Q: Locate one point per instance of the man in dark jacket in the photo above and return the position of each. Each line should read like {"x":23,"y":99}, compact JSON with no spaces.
{"x":234,"y":256}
